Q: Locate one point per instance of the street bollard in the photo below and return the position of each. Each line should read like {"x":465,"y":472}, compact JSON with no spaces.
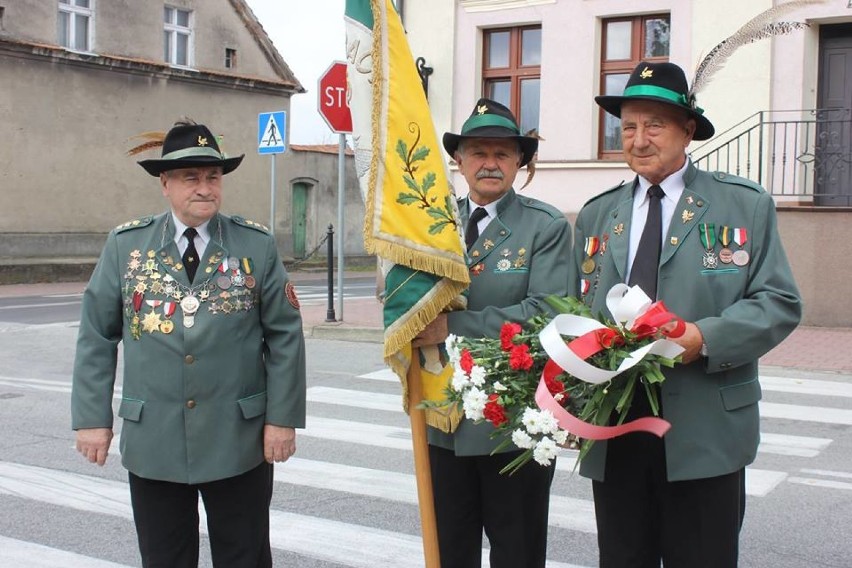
{"x":329,"y":313}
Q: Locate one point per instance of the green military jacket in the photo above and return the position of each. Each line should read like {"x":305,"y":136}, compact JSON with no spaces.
{"x":522,"y":257}
{"x":197,"y":389}
{"x":743,"y":311}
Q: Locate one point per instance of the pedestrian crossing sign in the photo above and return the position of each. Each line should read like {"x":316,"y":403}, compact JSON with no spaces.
{"x":271,"y":129}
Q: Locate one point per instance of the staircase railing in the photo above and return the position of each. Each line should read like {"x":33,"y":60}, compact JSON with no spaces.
{"x":799,"y":155}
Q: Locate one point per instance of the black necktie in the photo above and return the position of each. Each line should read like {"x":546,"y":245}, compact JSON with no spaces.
{"x":472,"y":231}
{"x":647,"y":260}
{"x":190,"y":255}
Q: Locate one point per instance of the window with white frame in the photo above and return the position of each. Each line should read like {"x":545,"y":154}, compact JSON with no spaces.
{"x":74,"y":24}
{"x":177,"y":36}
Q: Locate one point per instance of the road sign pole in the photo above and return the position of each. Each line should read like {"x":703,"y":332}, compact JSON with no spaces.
{"x":341,"y":202}
{"x":272,"y":196}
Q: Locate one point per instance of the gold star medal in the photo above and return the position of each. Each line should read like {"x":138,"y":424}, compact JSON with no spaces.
{"x":151,"y":322}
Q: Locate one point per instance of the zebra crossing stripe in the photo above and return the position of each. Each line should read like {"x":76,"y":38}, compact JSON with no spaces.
{"x":356,"y":546}
{"x":22,"y":553}
{"x":781,"y":444}
{"x":565,"y":512}
{"x":806,"y":386}
{"x":819,"y":414}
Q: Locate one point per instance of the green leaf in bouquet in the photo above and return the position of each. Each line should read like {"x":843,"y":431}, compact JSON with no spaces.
{"x":517,"y":463}
{"x":627,"y":394}
{"x":652,"y":398}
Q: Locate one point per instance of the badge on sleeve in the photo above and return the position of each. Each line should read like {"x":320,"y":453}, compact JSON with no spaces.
{"x":290,"y":292}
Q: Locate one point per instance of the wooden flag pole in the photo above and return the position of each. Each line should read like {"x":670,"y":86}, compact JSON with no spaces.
{"x":423,"y":473}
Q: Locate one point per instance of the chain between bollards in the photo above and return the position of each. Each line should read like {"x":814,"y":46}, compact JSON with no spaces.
{"x":329,"y":313}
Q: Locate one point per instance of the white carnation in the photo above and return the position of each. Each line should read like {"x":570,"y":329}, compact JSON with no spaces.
{"x":460,"y":380}
{"x":545,"y":450}
{"x":477,"y":375}
{"x":474,"y":403}
{"x":453,"y":351}
{"x":548,"y":422}
{"x":561,"y":436}
{"x":531,"y":420}
{"x":522,"y":439}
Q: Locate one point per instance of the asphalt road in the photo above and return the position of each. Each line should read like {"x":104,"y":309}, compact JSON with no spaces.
{"x":348,"y":497}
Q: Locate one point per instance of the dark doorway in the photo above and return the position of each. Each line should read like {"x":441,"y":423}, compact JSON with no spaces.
{"x":833,"y":166}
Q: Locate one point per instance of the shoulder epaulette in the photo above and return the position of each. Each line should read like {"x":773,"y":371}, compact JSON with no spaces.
{"x":606,"y":192}
{"x":541,"y":206}
{"x":250,"y":224}
{"x":737,"y":180}
{"x":134,"y":224}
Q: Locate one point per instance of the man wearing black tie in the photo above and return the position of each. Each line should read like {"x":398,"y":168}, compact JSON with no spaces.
{"x":214,"y":363}
{"x":518,"y":251}
{"x":708,"y":246}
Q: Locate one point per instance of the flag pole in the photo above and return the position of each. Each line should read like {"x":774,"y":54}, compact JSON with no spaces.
{"x":421,"y":463}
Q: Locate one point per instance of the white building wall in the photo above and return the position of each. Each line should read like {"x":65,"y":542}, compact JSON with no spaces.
{"x":779,"y":73}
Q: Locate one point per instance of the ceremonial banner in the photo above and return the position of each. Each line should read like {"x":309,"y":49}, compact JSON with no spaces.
{"x":411,"y":219}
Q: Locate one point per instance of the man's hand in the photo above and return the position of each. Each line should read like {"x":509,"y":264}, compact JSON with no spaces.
{"x":279,"y":443}
{"x":94,"y":443}
{"x":691,"y":341}
{"x":434,"y":333}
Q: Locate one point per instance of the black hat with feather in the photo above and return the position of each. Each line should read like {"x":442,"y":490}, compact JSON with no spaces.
{"x":186,"y":145}
{"x":664,"y":83}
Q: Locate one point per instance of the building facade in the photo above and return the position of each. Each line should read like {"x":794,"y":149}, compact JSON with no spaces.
{"x":79,"y":79}
{"x":782,"y":107}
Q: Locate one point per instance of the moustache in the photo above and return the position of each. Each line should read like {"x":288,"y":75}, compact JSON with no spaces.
{"x":486,"y":173}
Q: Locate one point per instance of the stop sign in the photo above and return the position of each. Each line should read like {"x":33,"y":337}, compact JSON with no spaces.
{"x":332,"y":103}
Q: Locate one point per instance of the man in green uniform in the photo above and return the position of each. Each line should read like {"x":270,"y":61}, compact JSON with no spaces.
{"x":518,"y":251}
{"x":214,"y":363}
{"x":708,"y":246}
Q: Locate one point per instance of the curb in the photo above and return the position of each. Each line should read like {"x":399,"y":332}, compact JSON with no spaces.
{"x":338,"y":332}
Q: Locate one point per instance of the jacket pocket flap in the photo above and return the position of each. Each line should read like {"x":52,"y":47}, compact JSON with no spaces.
{"x":743,"y":394}
{"x":253,"y":406}
{"x":131,"y":409}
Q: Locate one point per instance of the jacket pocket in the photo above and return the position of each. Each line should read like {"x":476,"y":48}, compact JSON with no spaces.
{"x":740,"y":395}
{"x":131,"y":409}
{"x":253,"y":406}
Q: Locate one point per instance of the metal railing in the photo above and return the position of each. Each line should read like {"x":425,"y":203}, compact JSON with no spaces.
{"x":803,"y":156}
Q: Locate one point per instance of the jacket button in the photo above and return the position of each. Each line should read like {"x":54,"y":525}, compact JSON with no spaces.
{"x":190,"y":404}
{"x":189,"y":359}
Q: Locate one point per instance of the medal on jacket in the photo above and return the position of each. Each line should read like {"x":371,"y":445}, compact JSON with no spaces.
{"x":741,"y":256}
{"x":135,"y":326}
{"x":590,"y":248}
{"x":189,"y":305}
{"x":167,"y":325}
{"x":707,"y":234}
{"x":726,"y":255}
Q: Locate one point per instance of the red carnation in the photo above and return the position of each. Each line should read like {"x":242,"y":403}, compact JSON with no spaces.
{"x":466,"y":361}
{"x":507,"y":334}
{"x":554,"y":385}
{"x":494,"y":412}
{"x":519,"y":358}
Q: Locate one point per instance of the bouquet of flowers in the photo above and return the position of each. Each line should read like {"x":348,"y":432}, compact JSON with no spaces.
{"x":540,"y":393}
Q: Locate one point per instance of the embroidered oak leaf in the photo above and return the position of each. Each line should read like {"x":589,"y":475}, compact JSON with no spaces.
{"x":420,"y":188}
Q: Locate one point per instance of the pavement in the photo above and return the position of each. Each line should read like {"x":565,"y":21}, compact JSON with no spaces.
{"x":824,"y":349}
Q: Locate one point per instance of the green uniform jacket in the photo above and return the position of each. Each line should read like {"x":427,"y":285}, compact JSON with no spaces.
{"x":521,"y":257}
{"x":194,"y":400}
{"x":742,"y":312}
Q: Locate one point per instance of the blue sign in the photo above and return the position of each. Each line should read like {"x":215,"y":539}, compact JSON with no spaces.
{"x":271,"y":129}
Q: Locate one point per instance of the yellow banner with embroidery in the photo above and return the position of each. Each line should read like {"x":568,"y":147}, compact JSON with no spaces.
{"x":411,"y":219}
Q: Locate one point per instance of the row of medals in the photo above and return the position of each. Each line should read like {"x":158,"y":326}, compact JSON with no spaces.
{"x":709,"y":259}
{"x":189,"y":302}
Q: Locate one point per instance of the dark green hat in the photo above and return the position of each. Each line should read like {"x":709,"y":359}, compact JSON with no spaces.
{"x":490,"y":119}
{"x":190,"y":146}
{"x":664,"y":83}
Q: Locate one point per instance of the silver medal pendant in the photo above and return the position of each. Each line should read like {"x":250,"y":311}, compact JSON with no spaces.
{"x":710,"y":260}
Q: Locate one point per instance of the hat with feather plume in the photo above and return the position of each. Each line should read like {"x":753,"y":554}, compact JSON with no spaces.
{"x":186,"y":145}
{"x":666,"y":82}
